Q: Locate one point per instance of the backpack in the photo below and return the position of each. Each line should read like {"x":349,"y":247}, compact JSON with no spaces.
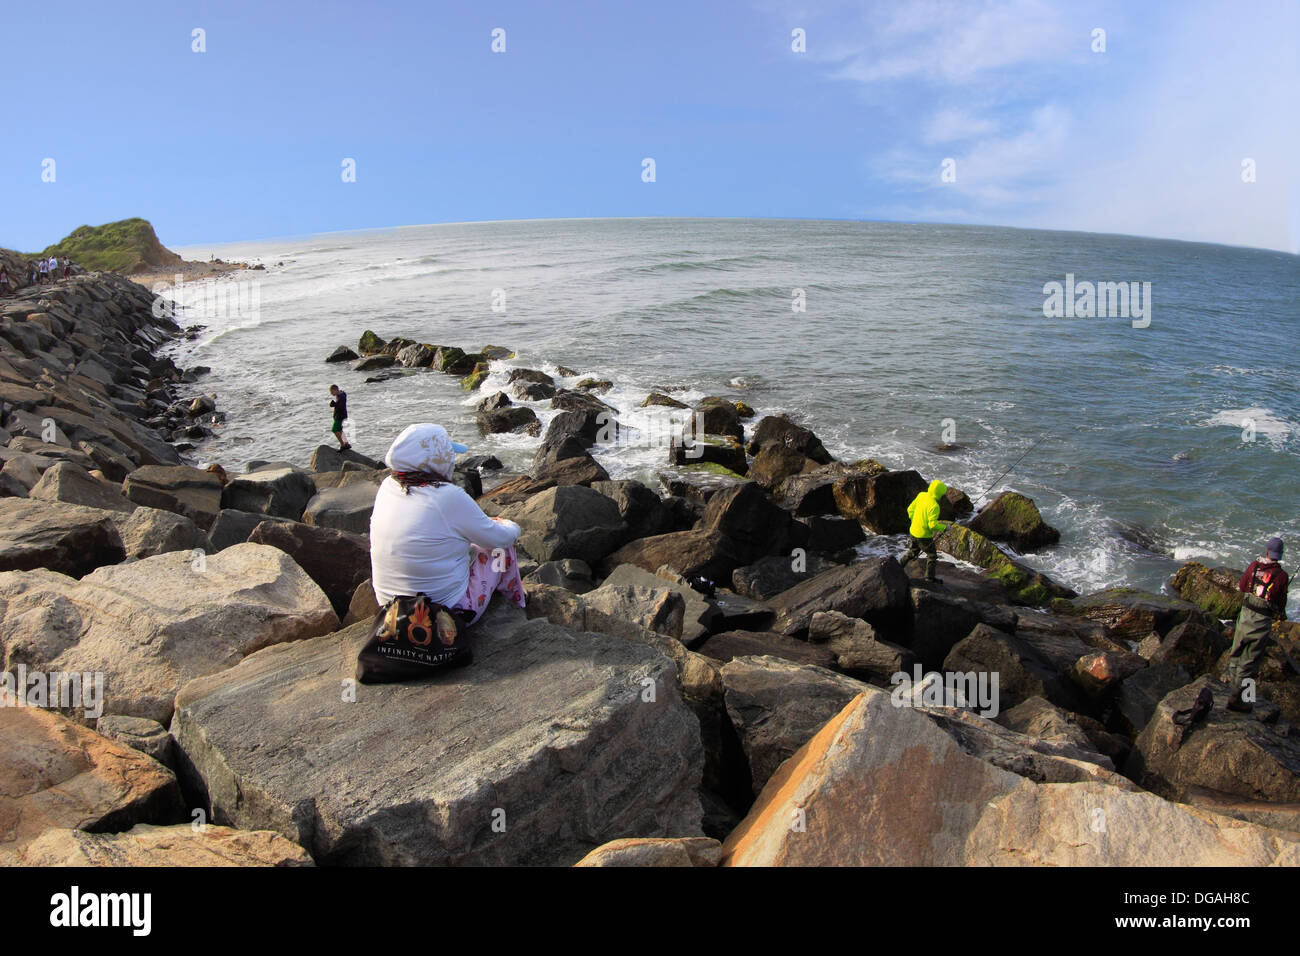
{"x":413,"y":637}
{"x":1261,"y":588}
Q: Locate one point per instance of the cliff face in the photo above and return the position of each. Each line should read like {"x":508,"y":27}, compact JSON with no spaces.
{"x":127,"y":247}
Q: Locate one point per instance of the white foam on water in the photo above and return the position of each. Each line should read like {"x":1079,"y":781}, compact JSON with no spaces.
{"x":1265,"y":423}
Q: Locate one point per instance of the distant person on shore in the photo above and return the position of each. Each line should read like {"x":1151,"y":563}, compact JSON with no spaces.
{"x":1264,"y":592}
{"x":67,"y":268}
{"x":924,"y":512}
{"x":428,"y":536}
{"x":44,"y":270}
{"x":4,"y":282}
{"x":340,"y":405}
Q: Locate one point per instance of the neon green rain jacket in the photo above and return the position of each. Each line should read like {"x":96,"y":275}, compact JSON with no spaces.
{"x":924,"y":511}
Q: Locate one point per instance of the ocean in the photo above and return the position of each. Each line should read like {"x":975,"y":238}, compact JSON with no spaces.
{"x":1148,"y":440}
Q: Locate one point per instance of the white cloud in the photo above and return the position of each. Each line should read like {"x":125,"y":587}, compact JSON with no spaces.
{"x":950,"y":41}
{"x":954,"y":125}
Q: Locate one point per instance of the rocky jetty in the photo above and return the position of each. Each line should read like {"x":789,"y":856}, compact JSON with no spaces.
{"x":706,"y":673}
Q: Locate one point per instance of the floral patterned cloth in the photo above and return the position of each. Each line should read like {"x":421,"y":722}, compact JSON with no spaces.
{"x":487,"y":575}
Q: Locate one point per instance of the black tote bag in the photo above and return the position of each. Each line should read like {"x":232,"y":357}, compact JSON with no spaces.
{"x":413,"y":637}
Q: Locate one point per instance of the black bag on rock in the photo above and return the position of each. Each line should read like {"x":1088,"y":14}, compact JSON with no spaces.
{"x":413,"y":637}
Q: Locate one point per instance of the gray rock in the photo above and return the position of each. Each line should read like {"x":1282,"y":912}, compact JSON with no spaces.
{"x":146,"y":532}
{"x":71,"y":539}
{"x":569,"y":522}
{"x":326,"y":458}
{"x":1223,"y":751}
{"x":568,"y":573}
{"x":658,"y":609}
{"x":233,"y":527}
{"x":178,"y":488}
{"x":875,"y":590}
{"x":64,"y":481}
{"x":282,"y":492}
{"x":548,"y":735}
{"x":345,"y":508}
{"x":698,"y":614}
{"x":777,"y":707}
{"x":139,"y":733}
{"x":336,"y":560}
{"x":151,"y":625}
{"x":856,"y":648}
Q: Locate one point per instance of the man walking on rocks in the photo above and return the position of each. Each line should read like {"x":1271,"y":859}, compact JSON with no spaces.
{"x":924,"y":512}
{"x":340,"y":405}
{"x":1264,"y":589}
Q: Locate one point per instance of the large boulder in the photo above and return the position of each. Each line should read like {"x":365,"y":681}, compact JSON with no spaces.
{"x":1193,"y":645}
{"x":779,"y":431}
{"x":1023,"y":584}
{"x":1213,"y":590}
{"x":756,"y":526}
{"x":875,"y":590}
{"x":768,"y":577}
{"x":1013,"y":518}
{"x":881,"y":785}
{"x":1222,"y":751}
{"x":330,"y":458}
{"x":811,"y":492}
{"x":878,"y":500}
{"x":1020,"y":670}
{"x":345,"y":508}
{"x":941,"y":619}
{"x":70,"y":539}
{"x":177,"y":845}
{"x":146,"y":532}
{"x":1131,"y":614}
{"x":644,"y":511}
{"x":179,"y":488}
{"x":569,"y":522}
{"x":233,"y":527}
{"x":657,"y":609}
{"x":777,"y":706}
{"x":697,"y":614}
{"x":283,"y":492}
{"x":64,"y":481}
{"x":336,"y":560}
{"x":415,"y":356}
{"x":551,"y":744}
{"x":857,"y":649}
{"x":692,"y":554}
{"x":516,"y":418}
{"x":719,"y":416}
{"x":566,"y":463}
{"x":151,"y":625}
{"x":59,"y":774}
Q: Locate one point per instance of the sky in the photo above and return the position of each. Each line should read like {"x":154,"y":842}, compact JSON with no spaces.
{"x":1179,"y":120}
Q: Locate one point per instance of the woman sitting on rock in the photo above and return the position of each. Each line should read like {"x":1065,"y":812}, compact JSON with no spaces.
{"x":428,"y":536}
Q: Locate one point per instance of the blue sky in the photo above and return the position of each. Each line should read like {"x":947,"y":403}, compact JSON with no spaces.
{"x":247,"y":139}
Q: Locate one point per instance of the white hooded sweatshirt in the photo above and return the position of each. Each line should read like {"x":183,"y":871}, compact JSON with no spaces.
{"x":420,"y":541}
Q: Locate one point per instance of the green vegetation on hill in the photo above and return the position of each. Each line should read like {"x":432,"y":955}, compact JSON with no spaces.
{"x":123,"y":247}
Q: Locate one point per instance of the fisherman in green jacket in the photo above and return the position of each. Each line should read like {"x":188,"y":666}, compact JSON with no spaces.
{"x":924,"y":512}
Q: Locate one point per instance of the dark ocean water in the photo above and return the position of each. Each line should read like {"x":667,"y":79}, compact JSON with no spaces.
{"x":1146,"y":446}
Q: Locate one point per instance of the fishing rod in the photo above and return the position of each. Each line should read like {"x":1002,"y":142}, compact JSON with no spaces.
{"x":1013,"y":465}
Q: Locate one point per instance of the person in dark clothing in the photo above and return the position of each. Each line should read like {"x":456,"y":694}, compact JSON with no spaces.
{"x":340,"y":405}
{"x":1264,"y":593}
